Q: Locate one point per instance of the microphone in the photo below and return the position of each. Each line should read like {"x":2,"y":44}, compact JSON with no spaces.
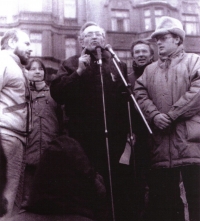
{"x":98,"y":50}
{"x":109,"y":48}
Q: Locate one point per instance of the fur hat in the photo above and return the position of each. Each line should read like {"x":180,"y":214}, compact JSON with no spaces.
{"x":168,"y":25}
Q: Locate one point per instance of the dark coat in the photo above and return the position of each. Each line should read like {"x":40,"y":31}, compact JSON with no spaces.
{"x":65,"y":182}
{"x":38,"y":217}
{"x":82,"y":96}
{"x":141,"y":147}
{"x":3,"y":178}
{"x":47,"y":118}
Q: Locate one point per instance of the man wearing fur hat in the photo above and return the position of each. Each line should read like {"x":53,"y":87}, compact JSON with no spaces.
{"x":169,"y":95}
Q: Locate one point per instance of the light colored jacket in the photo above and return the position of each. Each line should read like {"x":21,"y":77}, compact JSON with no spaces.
{"x":15,"y":116}
{"x":173,"y":87}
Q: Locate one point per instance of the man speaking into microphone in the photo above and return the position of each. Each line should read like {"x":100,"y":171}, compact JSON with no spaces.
{"x":78,"y":86}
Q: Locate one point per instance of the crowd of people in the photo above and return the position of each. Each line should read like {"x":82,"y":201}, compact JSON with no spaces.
{"x":65,"y":150}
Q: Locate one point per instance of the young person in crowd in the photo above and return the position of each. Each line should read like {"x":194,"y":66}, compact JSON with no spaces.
{"x":47,"y":122}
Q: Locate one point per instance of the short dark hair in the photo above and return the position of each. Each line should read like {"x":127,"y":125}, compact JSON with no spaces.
{"x":142,"y":42}
{"x":10,"y":34}
{"x":28,"y":67}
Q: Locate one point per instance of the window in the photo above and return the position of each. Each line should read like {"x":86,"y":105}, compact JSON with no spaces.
{"x":33,"y":5}
{"x":70,"y":47}
{"x":36,"y":44}
{"x":8,"y":9}
{"x":191,"y":24}
{"x":151,"y":17}
{"x":147,"y":20}
{"x":4,"y":7}
{"x":125,"y":56}
{"x":70,"y":8}
{"x":158,"y":12}
{"x":120,"y":20}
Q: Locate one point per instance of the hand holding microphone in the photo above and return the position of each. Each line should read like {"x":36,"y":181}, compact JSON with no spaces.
{"x":84,"y":59}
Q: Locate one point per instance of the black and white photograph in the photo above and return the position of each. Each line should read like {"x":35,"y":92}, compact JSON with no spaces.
{"x":99,"y":110}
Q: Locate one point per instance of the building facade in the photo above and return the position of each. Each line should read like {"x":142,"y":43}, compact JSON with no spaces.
{"x":53,"y":25}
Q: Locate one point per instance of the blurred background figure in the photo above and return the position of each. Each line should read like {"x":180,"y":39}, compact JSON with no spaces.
{"x":65,"y":186}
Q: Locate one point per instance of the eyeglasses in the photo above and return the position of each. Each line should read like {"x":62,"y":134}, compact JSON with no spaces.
{"x":91,"y":34}
{"x":162,"y":38}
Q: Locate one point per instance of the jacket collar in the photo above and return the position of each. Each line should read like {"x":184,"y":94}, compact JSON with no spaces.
{"x":165,"y":61}
{"x":138,"y":70}
{"x":33,"y":87}
{"x":14,"y":57}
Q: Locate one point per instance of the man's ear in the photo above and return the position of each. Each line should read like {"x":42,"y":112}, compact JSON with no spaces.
{"x":177,"y":39}
{"x":11,"y":43}
{"x":80,"y":39}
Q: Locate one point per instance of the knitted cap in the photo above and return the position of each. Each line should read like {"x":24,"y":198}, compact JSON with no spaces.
{"x":168,"y":25}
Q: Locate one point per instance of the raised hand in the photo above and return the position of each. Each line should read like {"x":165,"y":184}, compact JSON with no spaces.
{"x":83,"y":62}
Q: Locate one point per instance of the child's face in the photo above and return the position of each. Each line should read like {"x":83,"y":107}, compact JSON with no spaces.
{"x":36,"y":72}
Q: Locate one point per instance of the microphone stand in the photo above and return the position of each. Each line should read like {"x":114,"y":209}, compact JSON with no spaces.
{"x":106,"y":136}
{"x":131,"y":139}
{"x":131,"y":95}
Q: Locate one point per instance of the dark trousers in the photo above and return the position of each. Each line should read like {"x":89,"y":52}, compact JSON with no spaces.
{"x":165,"y":203}
{"x":191,"y":181}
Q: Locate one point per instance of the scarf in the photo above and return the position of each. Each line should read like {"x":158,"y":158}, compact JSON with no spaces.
{"x":165,"y":61}
{"x":138,"y":70}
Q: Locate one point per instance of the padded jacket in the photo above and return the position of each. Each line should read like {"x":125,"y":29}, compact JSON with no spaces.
{"x":47,"y":124}
{"x":173,"y":87}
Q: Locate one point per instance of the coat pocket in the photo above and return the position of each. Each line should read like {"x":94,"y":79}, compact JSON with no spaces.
{"x":193,"y":129}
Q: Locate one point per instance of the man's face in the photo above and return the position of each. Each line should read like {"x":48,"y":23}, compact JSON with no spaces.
{"x":93,"y":36}
{"x":167,"y":44}
{"x":141,"y":54}
{"x":22,"y":49}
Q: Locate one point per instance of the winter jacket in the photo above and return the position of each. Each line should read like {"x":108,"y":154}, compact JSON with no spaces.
{"x":47,"y":121}
{"x":15,"y":116}
{"x":172,"y":86}
{"x":82,"y":96}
